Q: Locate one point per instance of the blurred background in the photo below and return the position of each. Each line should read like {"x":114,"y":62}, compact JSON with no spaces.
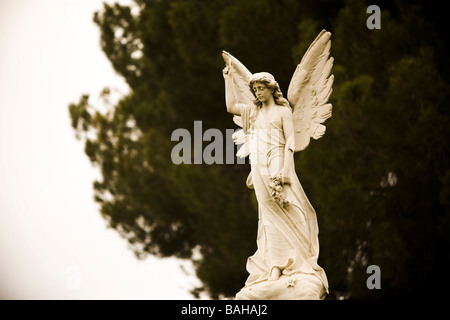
{"x":54,"y":244}
{"x":93,"y":207}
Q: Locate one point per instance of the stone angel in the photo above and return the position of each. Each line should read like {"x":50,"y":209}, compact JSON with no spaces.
{"x":284,"y":265}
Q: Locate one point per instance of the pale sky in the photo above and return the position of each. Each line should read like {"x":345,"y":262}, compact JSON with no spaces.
{"x":54,"y":244}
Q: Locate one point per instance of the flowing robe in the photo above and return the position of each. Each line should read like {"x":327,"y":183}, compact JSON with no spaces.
{"x":287,"y":236}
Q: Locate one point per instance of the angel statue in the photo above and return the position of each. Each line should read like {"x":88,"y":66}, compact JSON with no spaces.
{"x":284,"y":265}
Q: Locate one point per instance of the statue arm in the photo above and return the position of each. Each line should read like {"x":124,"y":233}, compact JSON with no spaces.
{"x":230,"y":96}
{"x":289,"y":134}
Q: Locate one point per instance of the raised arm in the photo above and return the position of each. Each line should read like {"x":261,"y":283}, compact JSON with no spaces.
{"x":230,"y":94}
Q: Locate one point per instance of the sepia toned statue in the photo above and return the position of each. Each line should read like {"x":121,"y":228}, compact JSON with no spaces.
{"x":284,"y":265}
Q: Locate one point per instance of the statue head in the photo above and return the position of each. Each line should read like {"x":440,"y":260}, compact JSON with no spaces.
{"x":268,"y":80}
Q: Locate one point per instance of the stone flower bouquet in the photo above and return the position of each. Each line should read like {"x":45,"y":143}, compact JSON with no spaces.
{"x":276,"y":188}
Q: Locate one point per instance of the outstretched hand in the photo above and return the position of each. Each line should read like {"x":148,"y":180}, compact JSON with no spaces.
{"x":226,"y":72}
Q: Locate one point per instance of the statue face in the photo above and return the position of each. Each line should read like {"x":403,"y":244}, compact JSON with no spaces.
{"x":262,"y":92}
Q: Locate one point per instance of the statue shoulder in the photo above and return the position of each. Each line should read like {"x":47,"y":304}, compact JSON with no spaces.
{"x":285,"y":110}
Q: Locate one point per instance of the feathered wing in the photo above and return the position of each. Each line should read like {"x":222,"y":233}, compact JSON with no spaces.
{"x":309,"y":91}
{"x":240,"y":76}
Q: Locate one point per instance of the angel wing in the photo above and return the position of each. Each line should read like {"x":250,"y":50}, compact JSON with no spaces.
{"x":309,"y":91}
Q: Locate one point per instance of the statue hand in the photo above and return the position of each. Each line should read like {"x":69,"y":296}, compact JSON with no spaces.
{"x":226,"y":72}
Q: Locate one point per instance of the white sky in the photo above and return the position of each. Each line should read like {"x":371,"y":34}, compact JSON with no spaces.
{"x":49,"y":56}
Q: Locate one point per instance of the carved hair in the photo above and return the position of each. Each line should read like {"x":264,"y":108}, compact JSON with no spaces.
{"x":269,"y":81}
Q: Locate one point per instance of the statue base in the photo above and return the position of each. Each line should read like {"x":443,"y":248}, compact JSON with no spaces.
{"x":291,"y":287}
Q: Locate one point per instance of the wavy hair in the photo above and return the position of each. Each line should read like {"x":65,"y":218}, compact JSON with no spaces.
{"x":269,"y":81}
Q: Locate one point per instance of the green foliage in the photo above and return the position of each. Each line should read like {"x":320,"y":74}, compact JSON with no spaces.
{"x":379,"y":178}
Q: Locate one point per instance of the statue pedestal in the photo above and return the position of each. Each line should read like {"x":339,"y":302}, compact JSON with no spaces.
{"x":292,"y":287}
